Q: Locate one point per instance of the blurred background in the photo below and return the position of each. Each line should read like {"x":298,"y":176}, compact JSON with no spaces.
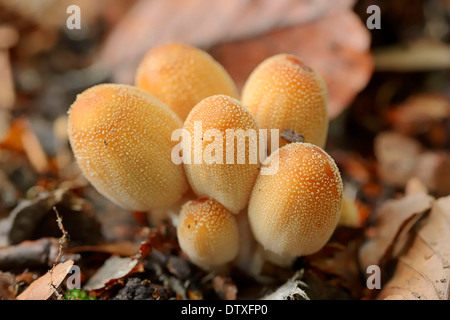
{"x":387,"y":73}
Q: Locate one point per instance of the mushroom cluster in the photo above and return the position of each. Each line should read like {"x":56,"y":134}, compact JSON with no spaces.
{"x":122,"y":137}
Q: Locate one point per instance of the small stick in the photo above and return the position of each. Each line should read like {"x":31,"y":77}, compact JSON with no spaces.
{"x":62,"y":243}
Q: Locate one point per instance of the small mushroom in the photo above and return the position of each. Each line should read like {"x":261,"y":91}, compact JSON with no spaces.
{"x":121,"y":138}
{"x":284,"y":93}
{"x":224,"y":159}
{"x":208,"y":233}
{"x":295,"y":211}
{"x":182,"y":75}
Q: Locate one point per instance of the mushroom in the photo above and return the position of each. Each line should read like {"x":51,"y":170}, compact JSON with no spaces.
{"x":208,"y":233}
{"x":284,"y":93}
{"x":182,"y":75}
{"x":121,"y":138}
{"x":222,"y":167}
{"x":295,"y":211}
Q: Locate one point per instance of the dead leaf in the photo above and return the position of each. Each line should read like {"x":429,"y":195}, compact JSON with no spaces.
{"x":415,"y":185}
{"x":433,"y":168}
{"x":33,"y":219}
{"x":44,"y":287}
{"x":392,"y":227}
{"x":150,"y":23}
{"x":424,"y":116}
{"x":326,"y":51}
{"x":22,"y":138}
{"x":435,"y":232}
{"x":7,"y":286}
{"x":113,"y":269}
{"x":241,"y":34}
{"x":397,"y":157}
{"x":423,"y":272}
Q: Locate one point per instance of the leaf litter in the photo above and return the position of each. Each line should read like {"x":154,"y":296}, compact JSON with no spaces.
{"x":389,"y":140}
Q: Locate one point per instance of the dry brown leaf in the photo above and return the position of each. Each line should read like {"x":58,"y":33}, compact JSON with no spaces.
{"x":397,"y":157}
{"x":419,"y":114}
{"x":393,"y":224}
{"x":44,"y":287}
{"x":35,"y":218}
{"x":7,"y":286}
{"x":328,"y":35}
{"x":345,"y":65}
{"x":424,"y":271}
{"x":201,"y":23}
{"x":113,"y":269}
{"x":433,"y":169}
{"x":21,"y":137}
{"x":436,"y":231}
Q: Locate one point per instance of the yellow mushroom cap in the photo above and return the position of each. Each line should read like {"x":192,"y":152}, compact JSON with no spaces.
{"x":284,"y":93}
{"x":208,"y":233}
{"x":121,"y":139}
{"x":228,"y":183}
{"x":295,"y":211}
{"x":182,"y":75}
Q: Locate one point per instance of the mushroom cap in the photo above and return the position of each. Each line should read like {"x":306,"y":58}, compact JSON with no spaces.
{"x":182,"y":75}
{"x":208,"y":232}
{"x":228,"y":183}
{"x":295,"y":211}
{"x":284,"y":93}
{"x":121,"y":139}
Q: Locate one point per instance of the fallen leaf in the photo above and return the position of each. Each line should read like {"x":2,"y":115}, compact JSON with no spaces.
{"x":44,"y":287}
{"x":392,"y":227}
{"x":150,"y":23}
{"x":35,"y":218}
{"x":435,"y":232}
{"x":321,"y":47}
{"x":397,"y":157}
{"x":113,"y":269}
{"x":423,"y":272}
{"x":7,"y":286}
{"x":422,"y":114}
{"x":241,"y":34}
{"x":415,"y":185}
{"x":433,"y":169}
{"x":20,"y":137}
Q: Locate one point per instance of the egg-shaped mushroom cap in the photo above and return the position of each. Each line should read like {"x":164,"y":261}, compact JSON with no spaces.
{"x":226,"y":180}
{"x":208,"y":233}
{"x":182,"y":75}
{"x":283,"y":92}
{"x":121,"y":139}
{"x":295,"y":211}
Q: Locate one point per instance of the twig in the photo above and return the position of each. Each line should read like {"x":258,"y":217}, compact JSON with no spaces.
{"x":62,"y":244}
